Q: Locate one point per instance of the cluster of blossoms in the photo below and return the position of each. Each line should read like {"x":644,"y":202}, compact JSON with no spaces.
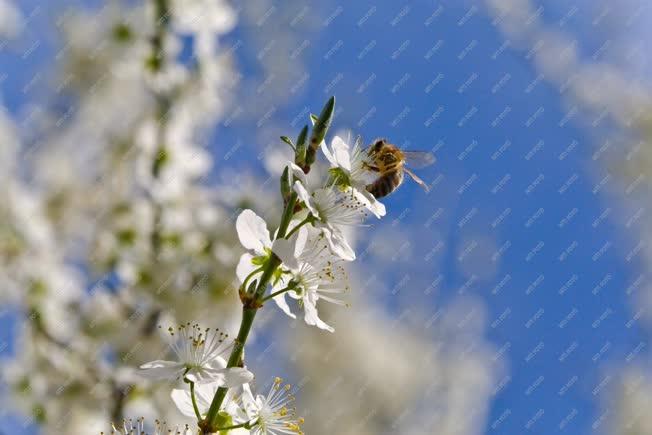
{"x":200,"y":363}
{"x":108,"y":224}
{"x":132,"y":205}
{"x":304,"y":260}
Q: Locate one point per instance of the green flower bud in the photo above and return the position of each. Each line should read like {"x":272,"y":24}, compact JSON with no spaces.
{"x":300,"y":154}
{"x":319,"y":131}
{"x":286,"y":184}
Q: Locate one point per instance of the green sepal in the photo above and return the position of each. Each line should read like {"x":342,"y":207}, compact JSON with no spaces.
{"x":276,"y":276}
{"x":288,"y":141}
{"x":224,"y":420}
{"x":259,"y":260}
{"x":339,"y":178}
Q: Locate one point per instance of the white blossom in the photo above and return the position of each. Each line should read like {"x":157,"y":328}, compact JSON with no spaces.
{"x":202,"y":16}
{"x":254,"y":236}
{"x":272,"y":414}
{"x":334,"y":209}
{"x":199,"y":358}
{"x":349,"y":169}
{"x":204,"y":394}
{"x":316,"y":273}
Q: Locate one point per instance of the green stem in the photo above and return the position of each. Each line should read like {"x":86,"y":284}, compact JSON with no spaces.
{"x":255,"y":271}
{"x":287,"y":216}
{"x":246,"y":425}
{"x":194,"y":400}
{"x":307,"y":220}
{"x":208,"y":425}
{"x":276,"y":293}
{"x":248,"y":315}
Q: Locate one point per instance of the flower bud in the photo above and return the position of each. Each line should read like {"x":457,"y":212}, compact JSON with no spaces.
{"x":319,"y":132}
{"x":300,"y":153}
{"x":286,"y":184}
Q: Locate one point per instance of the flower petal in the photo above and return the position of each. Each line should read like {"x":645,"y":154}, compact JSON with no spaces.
{"x":311,"y":316}
{"x":285,"y":250}
{"x":341,"y":153}
{"x":236,"y":376}
{"x":289,"y":250}
{"x":231,"y":377}
{"x":328,"y":154}
{"x":302,"y":238}
{"x":338,"y":244}
{"x":369,"y":201}
{"x":306,"y":198}
{"x":252,"y":232}
{"x":160,"y":369}
{"x":199,"y":375}
{"x":297,"y":172}
{"x":249,"y":401}
{"x":204,"y":394}
{"x":244,"y":267}
{"x":283,"y":305}
{"x":182,"y":400}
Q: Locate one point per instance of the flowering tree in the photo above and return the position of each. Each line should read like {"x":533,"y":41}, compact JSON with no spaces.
{"x":112,"y":239}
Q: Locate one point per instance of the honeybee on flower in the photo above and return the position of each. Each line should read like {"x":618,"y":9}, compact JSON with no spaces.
{"x":390,"y":162}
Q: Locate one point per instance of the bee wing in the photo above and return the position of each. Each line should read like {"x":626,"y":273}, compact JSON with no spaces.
{"x":418,"y":180}
{"x":419,"y":159}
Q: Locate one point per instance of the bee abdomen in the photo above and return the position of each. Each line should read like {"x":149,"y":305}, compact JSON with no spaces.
{"x":385,"y":184}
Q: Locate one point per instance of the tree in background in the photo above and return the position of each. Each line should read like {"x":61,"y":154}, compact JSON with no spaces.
{"x":110,"y":229}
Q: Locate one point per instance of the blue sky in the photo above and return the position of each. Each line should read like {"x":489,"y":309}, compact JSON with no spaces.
{"x":423,"y":78}
{"x":442,"y":79}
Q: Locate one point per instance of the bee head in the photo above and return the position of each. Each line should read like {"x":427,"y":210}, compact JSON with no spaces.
{"x":377,"y":145}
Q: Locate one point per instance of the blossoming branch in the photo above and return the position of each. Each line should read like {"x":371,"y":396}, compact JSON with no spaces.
{"x":299,"y":266}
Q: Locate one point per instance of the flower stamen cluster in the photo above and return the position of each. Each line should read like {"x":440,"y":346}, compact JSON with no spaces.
{"x":273,"y":413}
{"x":198,"y":358}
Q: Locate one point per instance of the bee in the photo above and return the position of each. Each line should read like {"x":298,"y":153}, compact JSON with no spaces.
{"x":389,"y":161}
